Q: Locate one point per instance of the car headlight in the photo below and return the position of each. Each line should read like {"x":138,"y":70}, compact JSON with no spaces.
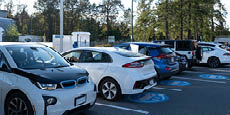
{"x":45,"y":86}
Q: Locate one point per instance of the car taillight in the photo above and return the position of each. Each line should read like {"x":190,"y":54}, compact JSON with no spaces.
{"x":135,"y":64}
{"x":193,"y":53}
{"x":226,"y":54}
{"x":167,"y":68}
{"x":163,"y":56}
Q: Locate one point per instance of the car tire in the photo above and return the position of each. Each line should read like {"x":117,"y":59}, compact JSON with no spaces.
{"x":12,"y":105}
{"x":109,"y":89}
{"x":167,"y":78}
{"x":213,"y":62}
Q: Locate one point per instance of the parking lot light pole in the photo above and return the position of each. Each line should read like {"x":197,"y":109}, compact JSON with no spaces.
{"x":132,"y":22}
{"x":61,"y":26}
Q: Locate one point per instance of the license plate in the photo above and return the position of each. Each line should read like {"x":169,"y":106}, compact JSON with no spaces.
{"x":80,"y":100}
{"x":172,"y":59}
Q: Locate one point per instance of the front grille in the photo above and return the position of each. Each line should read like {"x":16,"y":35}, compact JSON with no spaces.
{"x":68,"y":84}
{"x":74,"y":83}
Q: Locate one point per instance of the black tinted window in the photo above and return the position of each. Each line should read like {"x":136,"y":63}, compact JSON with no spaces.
{"x":94,"y":57}
{"x":72,"y":56}
{"x":184,"y":45}
{"x":164,"y":50}
{"x":171,"y":43}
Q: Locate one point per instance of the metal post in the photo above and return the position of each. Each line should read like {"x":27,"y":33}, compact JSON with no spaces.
{"x":61,"y":26}
{"x":31,"y":25}
{"x":132,"y":22}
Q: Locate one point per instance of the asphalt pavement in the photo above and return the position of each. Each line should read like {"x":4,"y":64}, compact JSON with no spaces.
{"x":199,"y":91}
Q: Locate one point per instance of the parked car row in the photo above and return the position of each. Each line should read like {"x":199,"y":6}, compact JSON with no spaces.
{"x":43,"y":82}
{"x":211,"y":53}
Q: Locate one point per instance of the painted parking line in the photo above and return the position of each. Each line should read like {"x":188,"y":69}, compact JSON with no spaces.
{"x":211,"y":81}
{"x":174,"y":89}
{"x":123,"y":108}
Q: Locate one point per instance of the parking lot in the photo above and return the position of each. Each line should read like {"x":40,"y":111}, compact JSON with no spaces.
{"x":199,"y":91}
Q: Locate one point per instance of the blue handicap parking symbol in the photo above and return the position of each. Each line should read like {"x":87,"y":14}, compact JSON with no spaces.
{"x":210,"y":76}
{"x":148,"y":97}
{"x":175,"y":83}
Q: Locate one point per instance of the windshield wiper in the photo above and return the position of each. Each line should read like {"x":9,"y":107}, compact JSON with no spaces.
{"x":60,"y":66}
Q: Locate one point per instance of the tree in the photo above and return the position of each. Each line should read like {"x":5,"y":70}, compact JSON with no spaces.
{"x":9,"y":6}
{"x":1,"y":1}
{"x":49,"y":8}
{"x":23,"y":20}
{"x":109,"y":11}
{"x":12,"y":31}
{"x":146,"y":22}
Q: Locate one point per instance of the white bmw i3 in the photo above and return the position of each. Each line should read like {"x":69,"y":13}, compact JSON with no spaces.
{"x":34,"y":79}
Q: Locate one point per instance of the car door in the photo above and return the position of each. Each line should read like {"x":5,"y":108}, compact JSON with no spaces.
{"x":96,"y":63}
{"x":206,"y":54}
{"x":1,"y":85}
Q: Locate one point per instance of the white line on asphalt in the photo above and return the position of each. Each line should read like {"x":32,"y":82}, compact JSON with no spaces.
{"x":211,"y":81}
{"x":176,"y":89}
{"x":166,"y":89}
{"x":123,"y":108}
{"x":157,"y":88}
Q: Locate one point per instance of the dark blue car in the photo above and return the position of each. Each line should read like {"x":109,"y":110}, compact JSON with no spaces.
{"x":164,"y":59}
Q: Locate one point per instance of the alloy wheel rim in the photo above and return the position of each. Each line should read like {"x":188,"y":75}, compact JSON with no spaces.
{"x":214,"y":63}
{"x":17,"y":106}
{"x":109,"y":90}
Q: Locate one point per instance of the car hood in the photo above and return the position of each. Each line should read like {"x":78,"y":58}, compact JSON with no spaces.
{"x":52,"y":75}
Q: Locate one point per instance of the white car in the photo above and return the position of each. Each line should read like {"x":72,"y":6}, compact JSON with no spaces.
{"x":115,"y":71}
{"x":213,"y":54}
{"x":36,"y":80}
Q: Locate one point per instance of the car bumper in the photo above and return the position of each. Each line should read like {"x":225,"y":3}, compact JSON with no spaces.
{"x":167,"y":73}
{"x":66,"y":100}
{"x":225,"y":60}
{"x":127,"y":86}
{"x":147,"y":85}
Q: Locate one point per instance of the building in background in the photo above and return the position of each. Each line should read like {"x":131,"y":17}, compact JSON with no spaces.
{"x":5,"y":23}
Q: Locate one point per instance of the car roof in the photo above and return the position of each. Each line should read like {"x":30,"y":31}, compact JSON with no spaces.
{"x":15,"y":44}
{"x":146,"y":44}
{"x":175,"y":40}
{"x":214,"y":43}
{"x":102,"y":49}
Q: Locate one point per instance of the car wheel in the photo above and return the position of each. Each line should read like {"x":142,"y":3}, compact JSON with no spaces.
{"x":167,"y":78}
{"x":110,"y":90}
{"x":213,"y":62}
{"x":18,"y":104}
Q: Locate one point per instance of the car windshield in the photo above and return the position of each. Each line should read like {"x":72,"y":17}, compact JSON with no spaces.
{"x":165,"y":50}
{"x":162,"y":50}
{"x":36,"y":57}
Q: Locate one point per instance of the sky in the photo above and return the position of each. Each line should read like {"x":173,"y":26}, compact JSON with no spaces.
{"x":127,"y":4}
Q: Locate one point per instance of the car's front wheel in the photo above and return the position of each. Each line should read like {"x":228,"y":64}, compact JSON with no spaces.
{"x":18,"y":104}
{"x":109,"y":89}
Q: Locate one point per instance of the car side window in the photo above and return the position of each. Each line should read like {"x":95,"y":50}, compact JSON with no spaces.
{"x":183,"y":46}
{"x":4,"y":66}
{"x":94,"y":57}
{"x":73,"y":56}
{"x":124,"y":47}
{"x":210,"y":49}
{"x":171,"y":43}
{"x":205,"y":49}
